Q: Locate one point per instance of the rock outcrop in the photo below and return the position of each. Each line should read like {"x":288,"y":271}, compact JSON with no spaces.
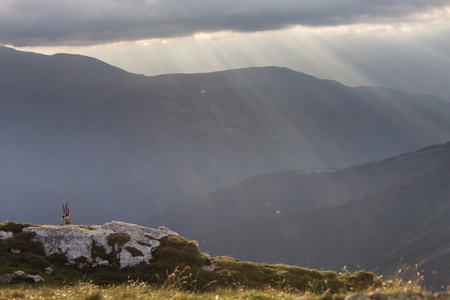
{"x":113,"y":243}
{"x":5,"y":235}
{"x":8,"y":278}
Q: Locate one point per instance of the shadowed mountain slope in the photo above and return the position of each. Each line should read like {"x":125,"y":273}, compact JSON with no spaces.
{"x":280,"y":193}
{"x":406,"y":219}
{"x":74,"y":129}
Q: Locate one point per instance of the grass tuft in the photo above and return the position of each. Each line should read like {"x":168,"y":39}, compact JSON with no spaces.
{"x":95,"y":296}
{"x":13,"y":226}
{"x":118,"y":239}
{"x":134,"y":251}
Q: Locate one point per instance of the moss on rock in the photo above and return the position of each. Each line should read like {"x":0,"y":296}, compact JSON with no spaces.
{"x":118,"y":239}
{"x":134,"y":251}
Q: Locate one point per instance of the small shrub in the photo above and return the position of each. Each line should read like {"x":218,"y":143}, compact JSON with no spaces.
{"x":36,"y":261}
{"x":118,"y":238}
{"x":81,"y":260}
{"x":144,"y":244}
{"x":36,"y":247}
{"x":17,"y":244}
{"x":13,"y":226}
{"x":58,"y":259}
{"x":134,"y":251}
{"x":98,"y":251}
{"x":25,"y":236}
{"x":176,"y":251}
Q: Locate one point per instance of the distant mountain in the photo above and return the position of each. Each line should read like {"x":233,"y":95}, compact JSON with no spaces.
{"x":404,"y":215}
{"x":296,"y":191}
{"x":123,"y":146}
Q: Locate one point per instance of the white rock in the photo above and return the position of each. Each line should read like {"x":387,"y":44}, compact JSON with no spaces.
{"x":5,"y":235}
{"x":209,"y":268}
{"x":103,"y":263}
{"x":49,"y":270}
{"x":77,"y":242}
{"x":100,"y":262}
{"x":15,"y":251}
{"x":7,"y":278}
{"x":36,"y":278}
{"x":20,"y":274}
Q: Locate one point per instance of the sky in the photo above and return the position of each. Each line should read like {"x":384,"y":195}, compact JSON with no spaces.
{"x":401,"y":44}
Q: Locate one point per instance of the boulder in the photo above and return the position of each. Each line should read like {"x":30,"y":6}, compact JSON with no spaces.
{"x":5,"y":235}
{"x":8,"y":278}
{"x":130,"y":243}
{"x":20,"y":274}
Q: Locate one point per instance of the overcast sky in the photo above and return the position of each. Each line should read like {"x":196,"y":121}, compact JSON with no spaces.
{"x":403,"y":44}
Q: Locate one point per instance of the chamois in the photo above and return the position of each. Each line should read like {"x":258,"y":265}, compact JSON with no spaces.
{"x":66,"y":214}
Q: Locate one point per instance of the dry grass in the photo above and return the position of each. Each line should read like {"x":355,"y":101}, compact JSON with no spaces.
{"x":141,"y":291}
{"x":405,"y":281}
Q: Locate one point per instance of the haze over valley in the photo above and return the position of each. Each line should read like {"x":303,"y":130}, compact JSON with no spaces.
{"x":129,"y":147}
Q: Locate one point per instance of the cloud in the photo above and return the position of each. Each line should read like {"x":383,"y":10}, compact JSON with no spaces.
{"x":86,"y":22}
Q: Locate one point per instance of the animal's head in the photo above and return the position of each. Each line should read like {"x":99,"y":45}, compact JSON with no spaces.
{"x":66,"y":213}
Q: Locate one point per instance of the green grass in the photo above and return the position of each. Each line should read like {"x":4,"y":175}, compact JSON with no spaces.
{"x":134,"y":251}
{"x":13,"y":226}
{"x":118,"y":239}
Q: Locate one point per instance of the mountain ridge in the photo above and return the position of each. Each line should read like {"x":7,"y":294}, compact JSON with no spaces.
{"x":130,"y":146}
{"x":268,"y":194}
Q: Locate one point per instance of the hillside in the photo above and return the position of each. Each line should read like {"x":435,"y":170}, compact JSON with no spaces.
{"x":118,"y":252}
{"x":383,"y":212}
{"x":124,"y":146}
{"x":279,"y":193}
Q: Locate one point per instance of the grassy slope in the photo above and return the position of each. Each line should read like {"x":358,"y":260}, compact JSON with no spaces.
{"x":177,"y":264}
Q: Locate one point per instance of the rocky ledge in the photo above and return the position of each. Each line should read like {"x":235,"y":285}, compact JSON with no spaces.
{"x":113,"y":243}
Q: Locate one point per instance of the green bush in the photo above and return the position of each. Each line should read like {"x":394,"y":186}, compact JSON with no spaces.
{"x":134,"y":251}
{"x":81,"y":260}
{"x":98,"y":251}
{"x":118,"y":239}
{"x":176,"y":251}
{"x":13,"y":226}
{"x":25,"y":236}
{"x":35,"y":261}
{"x":57,"y":259}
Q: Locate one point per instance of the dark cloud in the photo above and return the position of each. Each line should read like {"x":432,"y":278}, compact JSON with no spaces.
{"x":85,"y":22}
